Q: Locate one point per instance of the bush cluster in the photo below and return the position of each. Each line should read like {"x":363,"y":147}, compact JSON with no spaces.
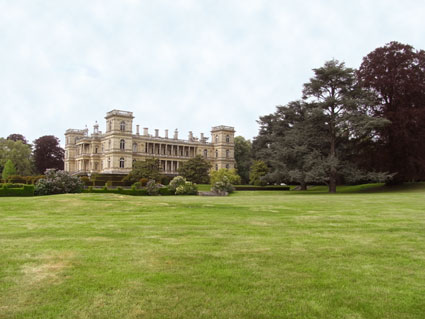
{"x":180,"y":186}
{"x":223,"y":185}
{"x":58,"y":182}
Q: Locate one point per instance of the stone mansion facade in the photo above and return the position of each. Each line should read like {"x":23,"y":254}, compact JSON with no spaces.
{"x":114,"y":151}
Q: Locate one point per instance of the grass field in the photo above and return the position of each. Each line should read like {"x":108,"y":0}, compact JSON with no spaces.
{"x":357,"y":254}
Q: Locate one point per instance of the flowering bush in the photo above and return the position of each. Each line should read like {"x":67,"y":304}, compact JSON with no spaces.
{"x":176,"y":182}
{"x":58,"y":182}
{"x":188,"y":188}
{"x":222,"y":186}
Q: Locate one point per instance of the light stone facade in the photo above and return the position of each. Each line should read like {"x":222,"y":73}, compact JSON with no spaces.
{"x":114,"y":151}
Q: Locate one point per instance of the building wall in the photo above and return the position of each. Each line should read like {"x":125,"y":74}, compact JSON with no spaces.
{"x":108,"y":152}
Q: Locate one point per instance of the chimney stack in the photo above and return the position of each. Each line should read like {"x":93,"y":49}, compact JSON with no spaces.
{"x":137,"y":129}
{"x":145,"y":131}
{"x":156,"y":132}
{"x":190,"y":136}
{"x":202,"y":137}
{"x":176,"y":134}
{"x":166,"y":133}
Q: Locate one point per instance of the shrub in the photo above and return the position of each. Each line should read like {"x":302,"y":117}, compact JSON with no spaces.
{"x":108,"y":184}
{"x":86,"y":180}
{"x":232,"y":176}
{"x":165,"y":180}
{"x":17,"y":179}
{"x":176,"y":182}
{"x":164,"y":191}
{"x":152,"y":187}
{"x":58,"y":182}
{"x":136,"y":185}
{"x":23,"y":190}
{"x":223,"y":186}
{"x":144,"y":181}
{"x":188,"y":188}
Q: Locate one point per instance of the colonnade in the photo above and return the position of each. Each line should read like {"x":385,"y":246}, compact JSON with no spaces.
{"x":170,"y":149}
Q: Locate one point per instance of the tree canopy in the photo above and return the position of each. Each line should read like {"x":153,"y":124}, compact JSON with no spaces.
{"x":196,"y":170}
{"x":18,"y":153}
{"x":48,"y":154}
{"x":243,"y":157}
{"x":315,"y":139}
{"x":150,"y":169}
{"x":17,"y":137}
{"x":396,"y":73}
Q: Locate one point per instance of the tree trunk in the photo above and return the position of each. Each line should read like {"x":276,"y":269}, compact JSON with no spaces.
{"x":332,"y":181}
{"x":303,"y":186}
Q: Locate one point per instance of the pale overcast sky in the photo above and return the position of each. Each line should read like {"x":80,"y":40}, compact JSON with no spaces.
{"x":182,"y":64}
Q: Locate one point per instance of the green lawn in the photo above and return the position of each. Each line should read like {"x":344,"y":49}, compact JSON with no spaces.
{"x":265,"y":254}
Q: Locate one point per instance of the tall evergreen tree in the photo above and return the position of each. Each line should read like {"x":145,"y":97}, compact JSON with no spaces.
{"x":334,"y":93}
{"x":315,"y":140}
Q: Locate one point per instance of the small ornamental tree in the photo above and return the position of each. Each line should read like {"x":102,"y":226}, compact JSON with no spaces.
{"x":8,"y":170}
{"x":58,"y":182}
{"x":258,"y":170}
{"x":196,"y":170}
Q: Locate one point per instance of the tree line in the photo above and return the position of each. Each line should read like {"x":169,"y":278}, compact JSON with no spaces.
{"x":348,"y":126}
{"x":19,"y":157}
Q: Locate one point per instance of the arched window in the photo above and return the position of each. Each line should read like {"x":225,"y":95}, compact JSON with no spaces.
{"x":95,"y":150}
{"x":216,"y":153}
{"x":227,"y":153}
{"x":227,"y":166}
{"x":109,"y":162}
{"x":122,"y":145}
{"x":121,"y":162}
{"x":134,"y":147}
{"x":205,"y":153}
{"x":122,"y":126}
{"x":216,"y":138}
{"x":216,"y":167}
{"x":227,"y":139}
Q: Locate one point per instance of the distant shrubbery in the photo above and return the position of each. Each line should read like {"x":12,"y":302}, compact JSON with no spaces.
{"x":58,"y":182}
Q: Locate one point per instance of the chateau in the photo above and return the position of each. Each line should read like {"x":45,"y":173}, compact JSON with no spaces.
{"x":115,"y":151}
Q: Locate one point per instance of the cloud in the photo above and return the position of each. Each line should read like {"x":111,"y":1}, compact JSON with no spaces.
{"x":178,"y":64}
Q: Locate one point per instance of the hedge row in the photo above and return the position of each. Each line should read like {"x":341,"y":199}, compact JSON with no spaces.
{"x":16,"y":190}
{"x":133,"y":191}
{"x":261,"y":188}
{"x":17,"y":179}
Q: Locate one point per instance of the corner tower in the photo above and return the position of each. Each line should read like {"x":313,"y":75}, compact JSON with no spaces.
{"x":223,"y":139}
{"x":117,"y":142}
